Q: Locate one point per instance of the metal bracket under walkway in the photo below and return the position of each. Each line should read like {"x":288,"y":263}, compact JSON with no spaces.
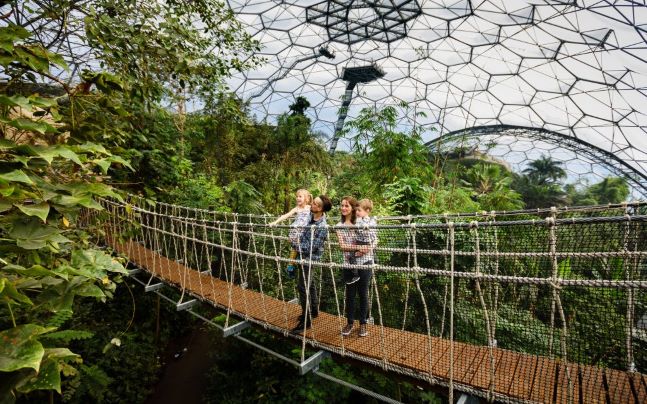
{"x":310,"y":364}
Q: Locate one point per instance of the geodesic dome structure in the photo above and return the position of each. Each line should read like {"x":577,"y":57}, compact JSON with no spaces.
{"x":522,"y":79}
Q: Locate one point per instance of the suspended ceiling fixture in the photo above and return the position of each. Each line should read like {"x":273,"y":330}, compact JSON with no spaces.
{"x":574,"y":69}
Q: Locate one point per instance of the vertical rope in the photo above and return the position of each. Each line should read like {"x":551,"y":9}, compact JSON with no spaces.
{"x":385,"y":361}
{"x":230,"y":279}
{"x":629,"y":275}
{"x":416,"y":270}
{"x":486,"y":316}
{"x":184,"y":260}
{"x":197,"y":257}
{"x":407,"y":275}
{"x":446,"y":267}
{"x":556,"y":302}
{"x":279,"y":277}
{"x":340,"y":313}
{"x":306,"y":310}
{"x":450,"y":226}
{"x":496,"y":283}
{"x":258,"y":272}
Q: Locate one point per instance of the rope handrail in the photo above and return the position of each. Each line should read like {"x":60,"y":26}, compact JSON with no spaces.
{"x":438,"y":216}
{"x":439,"y":225}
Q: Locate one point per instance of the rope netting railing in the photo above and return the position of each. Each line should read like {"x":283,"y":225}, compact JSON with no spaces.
{"x":544,"y":305}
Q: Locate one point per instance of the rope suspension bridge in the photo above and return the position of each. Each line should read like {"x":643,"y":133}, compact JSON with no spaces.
{"x":526,"y":306}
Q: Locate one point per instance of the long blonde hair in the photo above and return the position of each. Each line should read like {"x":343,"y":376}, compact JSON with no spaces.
{"x":306,"y":193}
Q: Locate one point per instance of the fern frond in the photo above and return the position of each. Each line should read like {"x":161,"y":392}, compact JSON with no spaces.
{"x":66,"y":336}
{"x":59,"y":318}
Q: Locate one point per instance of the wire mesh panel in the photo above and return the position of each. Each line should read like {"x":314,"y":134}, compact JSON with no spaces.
{"x":543,"y":305}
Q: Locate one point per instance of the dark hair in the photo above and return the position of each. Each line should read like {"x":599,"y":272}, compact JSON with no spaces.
{"x":353,"y":204}
{"x":326,"y":204}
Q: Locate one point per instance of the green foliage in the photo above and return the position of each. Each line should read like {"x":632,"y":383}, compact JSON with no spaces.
{"x":243,"y":197}
{"x":407,"y":196}
{"x":158,"y":47}
{"x":491,"y":187}
{"x":47,"y":260}
{"x":126,"y":372}
{"x":200,"y":192}
{"x":609,"y":190}
{"x":388,"y":154}
{"x":544,"y":171}
{"x":539,"y":195}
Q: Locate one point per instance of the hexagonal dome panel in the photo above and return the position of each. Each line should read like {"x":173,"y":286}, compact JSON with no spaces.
{"x":568,"y":77}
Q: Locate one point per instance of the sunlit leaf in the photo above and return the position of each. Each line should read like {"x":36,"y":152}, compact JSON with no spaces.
{"x":32,"y":235}
{"x":40,"y":210}
{"x":20,"y":348}
{"x":16,"y":176}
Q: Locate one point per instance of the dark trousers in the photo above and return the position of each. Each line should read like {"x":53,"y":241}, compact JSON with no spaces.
{"x":306,"y":282}
{"x":358,"y":288}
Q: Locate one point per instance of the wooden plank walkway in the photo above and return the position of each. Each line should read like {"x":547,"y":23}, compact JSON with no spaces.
{"x":517,"y":376}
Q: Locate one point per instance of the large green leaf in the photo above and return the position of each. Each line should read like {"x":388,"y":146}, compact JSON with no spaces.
{"x":96,"y":262}
{"x":94,"y":188}
{"x":34,"y":270}
{"x":49,"y":153}
{"x":16,"y":176}
{"x":40,"y":210}
{"x":20,"y":348}
{"x":5,"y":206}
{"x":92,"y":148}
{"x":15,"y":101}
{"x":32,"y":126}
{"x":32,"y":235}
{"x":13,"y":32}
{"x":10,"y":293}
{"x":68,"y":201}
{"x":6,"y":144}
{"x":90,"y":290}
{"x":49,"y":376}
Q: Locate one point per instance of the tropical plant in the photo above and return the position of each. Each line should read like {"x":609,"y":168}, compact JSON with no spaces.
{"x":491,"y":187}
{"x":158,"y":46}
{"x":545,"y":170}
{"x":609,"y":190}
{"x":387,"y":153}
{"x":408,"y":196}
{"x":48,"y":259}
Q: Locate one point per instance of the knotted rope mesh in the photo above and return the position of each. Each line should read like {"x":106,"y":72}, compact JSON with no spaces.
{"x":516,"y":306}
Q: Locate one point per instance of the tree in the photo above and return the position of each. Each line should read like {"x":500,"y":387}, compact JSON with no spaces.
{"x":539,"y":186}
{"x":387,"y":153}
{"x":46,"y":182}
{"x":545,"y":170}
{"x":491,"y":187}
{"x":170,"y":48}
{"x":609,"y":190}
{"x":300,"y":105}
{"x":539,"y":195}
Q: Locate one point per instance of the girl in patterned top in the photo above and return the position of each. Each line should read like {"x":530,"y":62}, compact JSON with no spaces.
{"x":302,"y":213}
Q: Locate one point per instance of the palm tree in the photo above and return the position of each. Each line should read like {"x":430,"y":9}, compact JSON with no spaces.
{"x":537,"y":195}
{"x":491,"y":187}
{"x":545,"y":170}
{"x":609,"y":190}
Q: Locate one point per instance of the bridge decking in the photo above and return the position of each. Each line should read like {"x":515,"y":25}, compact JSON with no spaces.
{"x":517,"y":376}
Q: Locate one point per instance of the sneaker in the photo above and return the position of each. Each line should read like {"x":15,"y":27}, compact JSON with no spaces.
{"x":363,"y":331}
{"x":355,"y":279}
{"x":346,"y":330}
{"x":298,"y":329}
{"x":292,"y":271}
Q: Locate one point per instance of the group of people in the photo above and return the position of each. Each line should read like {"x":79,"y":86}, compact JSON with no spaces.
{"x":357,"y":239}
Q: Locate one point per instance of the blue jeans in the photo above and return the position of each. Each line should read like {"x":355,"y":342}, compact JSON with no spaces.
{"x":358,"y":288}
